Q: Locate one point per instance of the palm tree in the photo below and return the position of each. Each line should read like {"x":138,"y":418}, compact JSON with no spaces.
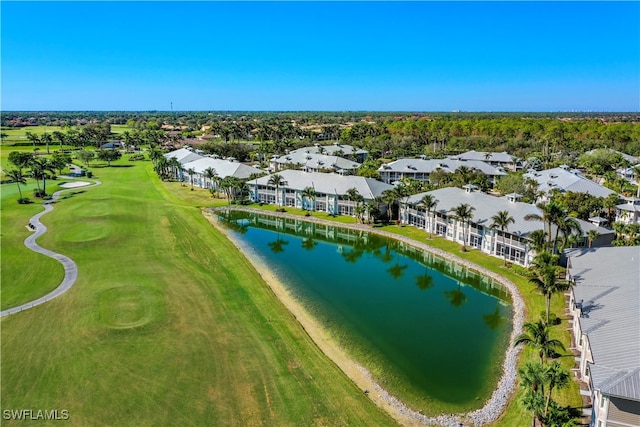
{"x":155,"y":154}
{"x":556,"y":377}
{"x":211,"y":174}
{"x":545,"y":266}
{"x":463,"y":175}
{"x":35,"y":139}
{"x":463,"y":213}
{"x":532,"y":376}
{"x":47,"y":139}
{"x":389,"y":197}
{"x":191,"y":172}
{"x":17,"y":177}
{"x":537,"y":337}
{"x":619,"y":228}
{"x":550,"y":213}
{"x":532,"y":380}
{"x":592,"y":235}
{"x":175,"y":166}
{"x":276,"y":180}
{"x":353,"y":195}
{"x":565,"y":226}
{"x":429,"y":203}
{"x":310,"y":194}
{"x":60,"y":137}
{"x":538,"y":241}
{"x":548,"y":284}
{"x":610,"y":202}
{"x":502,"y":220}
{"x":39,"y":169}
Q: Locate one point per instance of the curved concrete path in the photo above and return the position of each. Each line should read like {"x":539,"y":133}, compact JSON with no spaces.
{"x":70,"y":267}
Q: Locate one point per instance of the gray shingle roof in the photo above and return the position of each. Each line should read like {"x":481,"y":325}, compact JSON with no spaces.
{"x":329,"y":183}
{"x":565,"y":180}
{"x":608,"y":288}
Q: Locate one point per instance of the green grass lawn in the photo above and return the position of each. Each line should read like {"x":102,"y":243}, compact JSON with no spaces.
{"x":20,"y":281}
{"x":168,"y":324}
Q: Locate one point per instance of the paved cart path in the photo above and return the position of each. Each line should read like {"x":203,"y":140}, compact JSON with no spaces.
{"x":70,"y":267}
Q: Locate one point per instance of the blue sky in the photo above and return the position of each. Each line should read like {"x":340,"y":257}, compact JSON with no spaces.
{"x":374,"y":56}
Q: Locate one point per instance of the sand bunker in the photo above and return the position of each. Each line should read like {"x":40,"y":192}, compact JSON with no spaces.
{"x":75,"y":184}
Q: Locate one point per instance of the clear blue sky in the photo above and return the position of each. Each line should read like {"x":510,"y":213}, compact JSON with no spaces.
{"x":375,"y":56}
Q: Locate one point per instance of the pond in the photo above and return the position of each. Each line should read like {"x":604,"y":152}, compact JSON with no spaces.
{"x":430,"y":331}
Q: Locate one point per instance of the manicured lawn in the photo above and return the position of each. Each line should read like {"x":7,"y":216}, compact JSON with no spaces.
{"x":168,"y":324}
{"x":20,"y":281}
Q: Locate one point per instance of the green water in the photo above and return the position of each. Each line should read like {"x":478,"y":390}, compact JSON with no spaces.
{"x":429,"y":330}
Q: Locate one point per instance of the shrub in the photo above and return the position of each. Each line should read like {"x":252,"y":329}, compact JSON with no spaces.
{"x":24,"y":201}
{"x":89,"y":174}
{"x":39,"y":193}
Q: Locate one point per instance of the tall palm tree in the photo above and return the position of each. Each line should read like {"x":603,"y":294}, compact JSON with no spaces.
{"x":310,"y":194}
{"x":463,"y":173}
{"x":17,"y":177}
{"x":545,"y":267}
{"x":550,"y":213}
{"x":211,"y":174}
{"x":610,"y":202}
{"x":154,"y":155}
{"x":565,"y":226}
{"x":429,"y":203}
{"x":538,"y":240}
{"x":556,"y":377}
{"x":175,"y":166}
{"x":389,"y":198}
{"x":39,"y":168}
{"x":191,"y":172}
{"x":276,"y":180}
{"x":547,"y":284}
{"x":536,"y":336}
{"x":47,"y":139}
{"x":502,"y":220}
{"x":463,"y":213}
{"x":532,"y":378}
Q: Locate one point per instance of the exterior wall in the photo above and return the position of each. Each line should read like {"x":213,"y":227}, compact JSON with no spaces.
{"x":628,"y":217}
{"x":330,"y":203}
{"x":489,"y":241}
